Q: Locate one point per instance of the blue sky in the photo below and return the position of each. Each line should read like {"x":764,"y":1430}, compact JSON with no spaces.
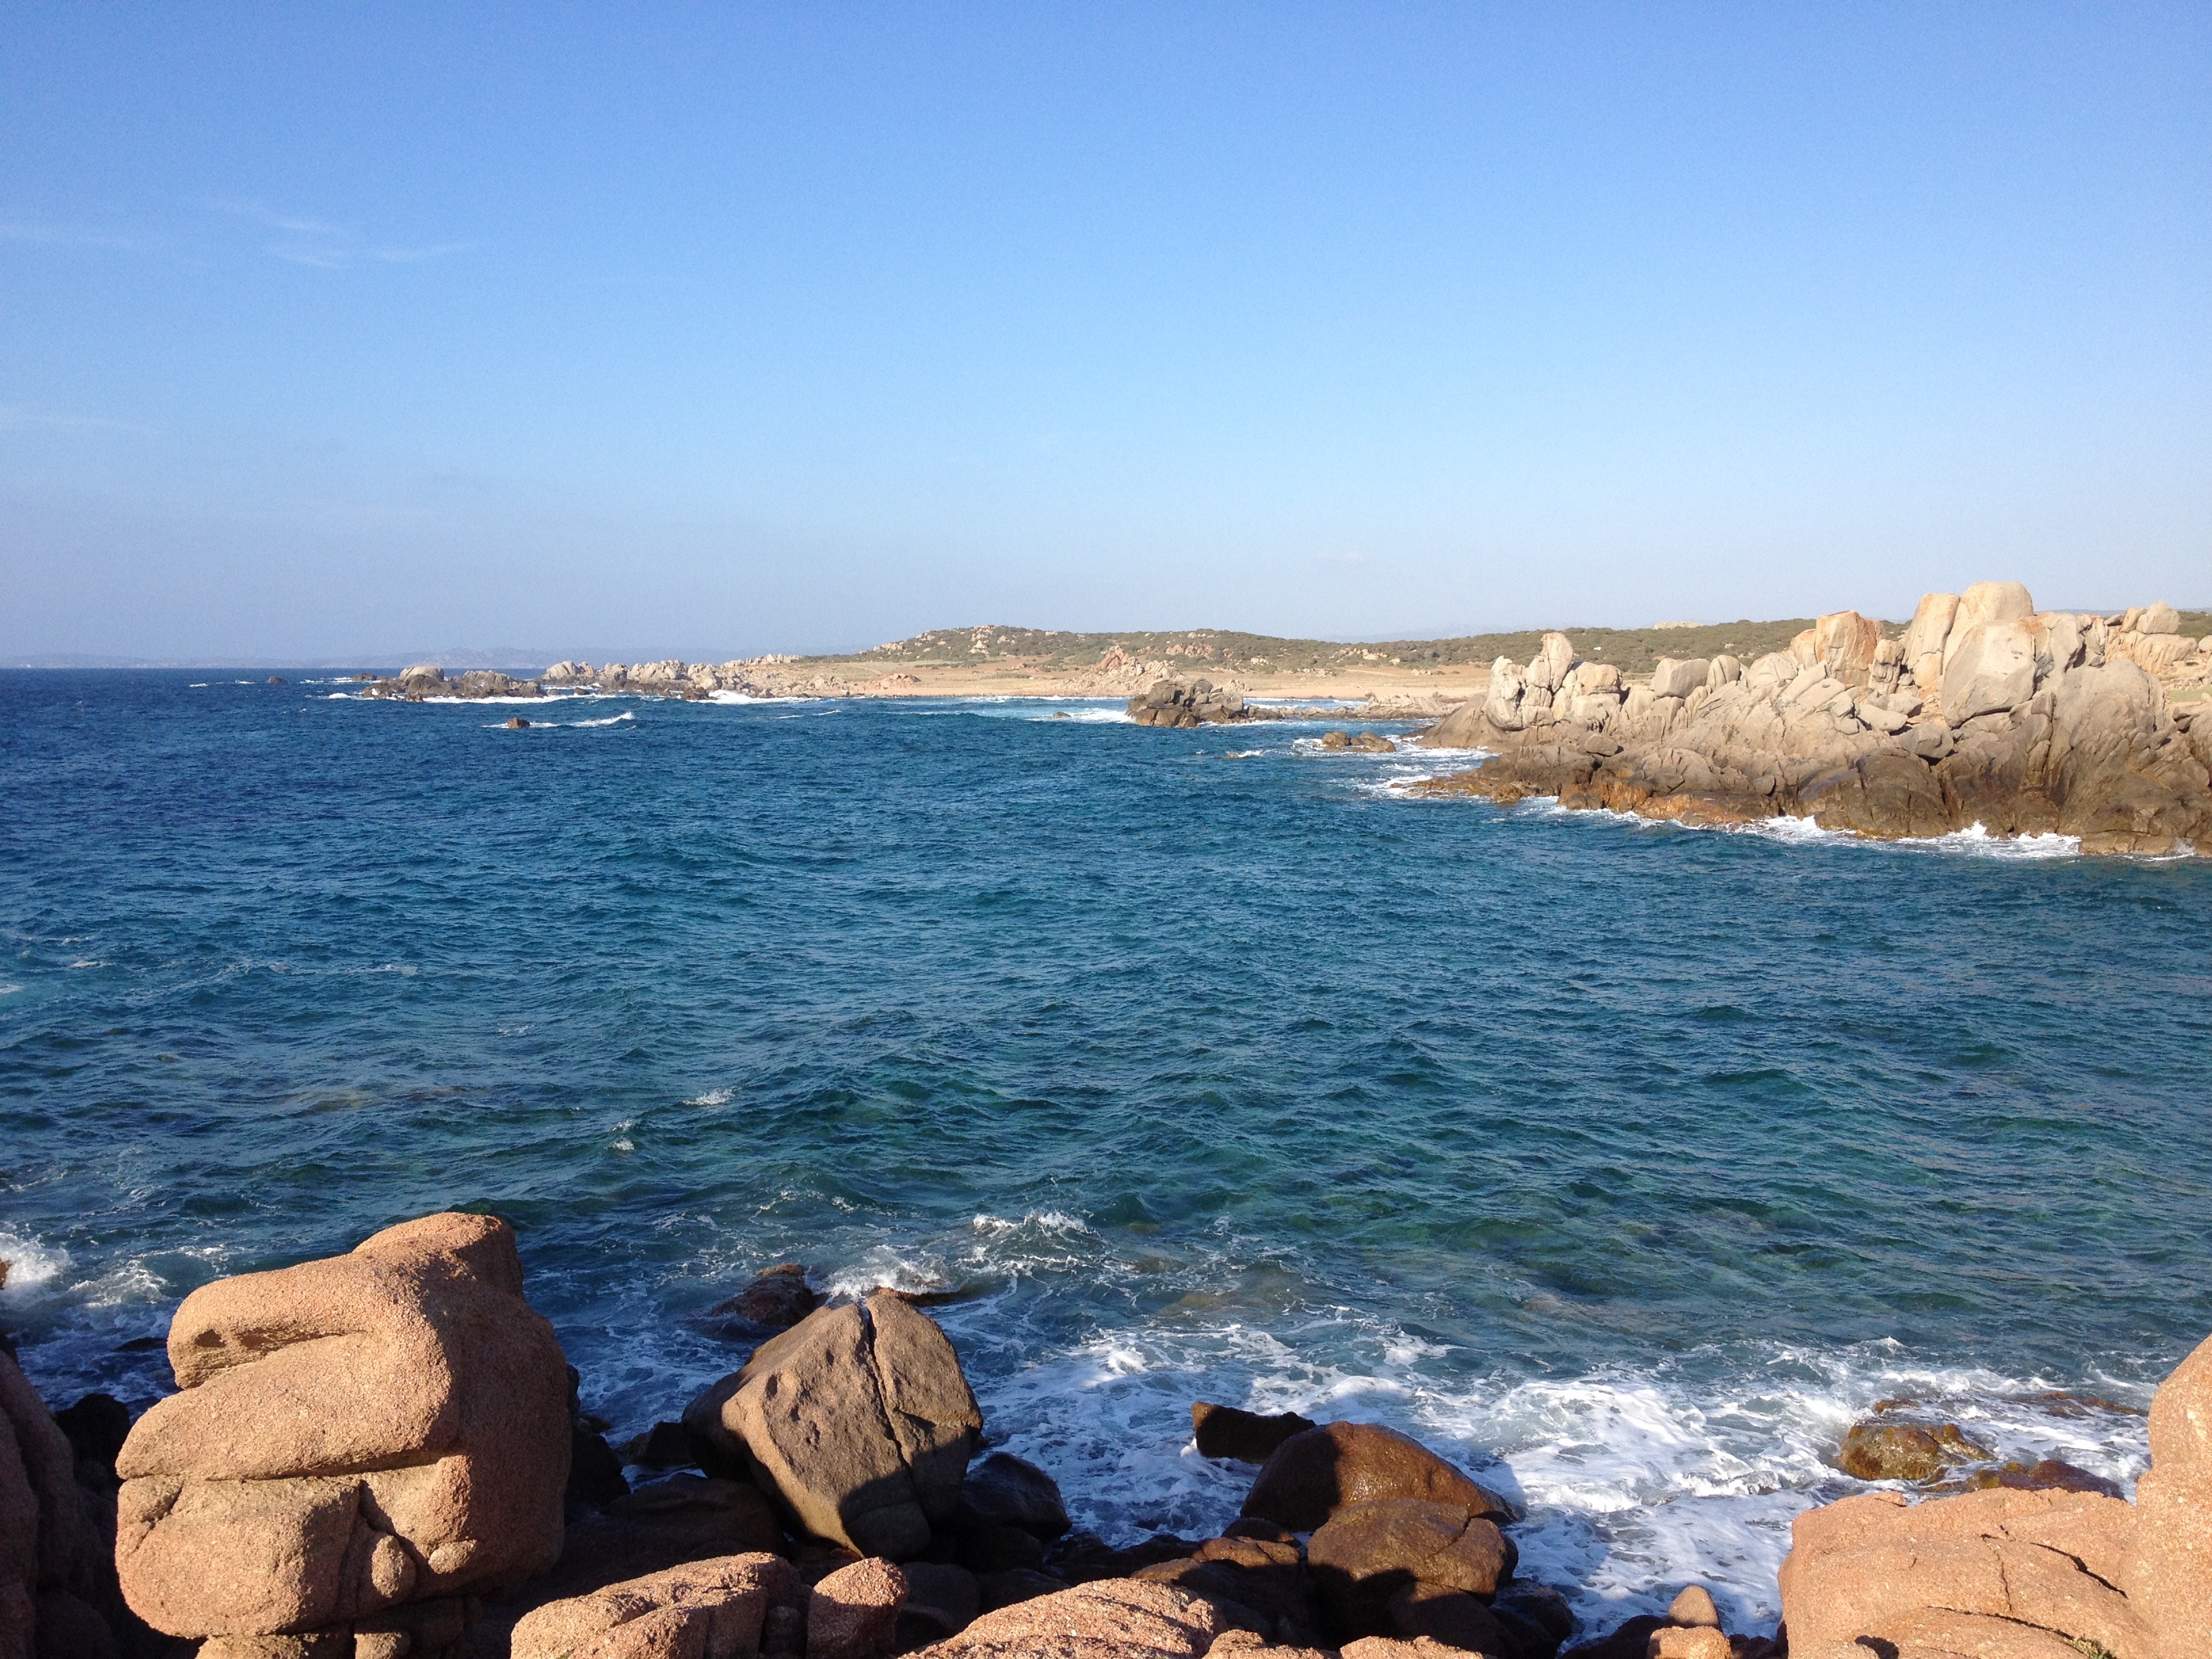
{"x":729,"y":328}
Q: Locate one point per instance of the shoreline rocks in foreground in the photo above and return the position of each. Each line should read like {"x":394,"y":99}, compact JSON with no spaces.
{"x":380,"y":1456}
{"x":1985,"y":712}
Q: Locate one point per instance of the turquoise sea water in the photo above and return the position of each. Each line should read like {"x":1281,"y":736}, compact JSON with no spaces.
{"x":1627,"y":1163}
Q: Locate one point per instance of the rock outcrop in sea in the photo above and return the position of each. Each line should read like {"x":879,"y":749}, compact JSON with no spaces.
{"x":1187,"y":702}
{"x":1983,"y":711}
{"x":425,"y":680}
{"x":372,"y":1456}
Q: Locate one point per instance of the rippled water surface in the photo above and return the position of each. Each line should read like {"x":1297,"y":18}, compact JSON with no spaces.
{"x":1626,"y":1163}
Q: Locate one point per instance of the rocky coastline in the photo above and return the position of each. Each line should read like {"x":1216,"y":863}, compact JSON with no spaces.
{"x":382,"y":1455}
{"x":1982,"y":712}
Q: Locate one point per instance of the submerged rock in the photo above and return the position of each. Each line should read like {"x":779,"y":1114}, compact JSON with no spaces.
{"x":1906,"y":1451}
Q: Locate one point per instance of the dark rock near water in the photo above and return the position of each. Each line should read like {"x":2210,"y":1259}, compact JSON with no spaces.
{"x":1631,"y":1640}
{"x":96,"y":1427}
{"x":664,"y":1446}
{"x":1452,"y":1616}
{"x":1003,"y":1590}
{"x":1225,"y":1431}
{"x":998,"y":1549}
{"x":1083,"y":1557}
{"x":2050,"y":1474}
{"x":1314,"y":1474}
{"x":595,"y":1473}
{"x":1536,"y":1616}
{"x":1005,"y":1491}
{"x":775,"y":1301}
{"x":941,"y":1600}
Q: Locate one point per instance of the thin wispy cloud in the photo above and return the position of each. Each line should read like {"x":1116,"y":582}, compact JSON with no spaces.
{"x":410,"y":255}
{"x":20,"y":418}
{"x":261,"y":215}
{"x":322,"y":244}
{"x":66,"y":236}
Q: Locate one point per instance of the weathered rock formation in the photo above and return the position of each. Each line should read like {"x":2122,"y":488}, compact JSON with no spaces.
{"x":1187,"y":702}
{"x":427,"y":680}
{"x":360,"y":1448}
{"x":857,"y":1420}
{"x":716,"y":1606}
{"x":1985,"y":712}
{"x":1117,"y":1618}
{"x":2020,"y":1574}
{"x":770,"y":676}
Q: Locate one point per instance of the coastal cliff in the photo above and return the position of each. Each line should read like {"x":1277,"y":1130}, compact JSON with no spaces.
{"x":1983,"y":712}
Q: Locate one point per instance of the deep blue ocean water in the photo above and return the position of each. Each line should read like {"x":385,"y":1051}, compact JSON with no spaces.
{"x":1625,"y":1163}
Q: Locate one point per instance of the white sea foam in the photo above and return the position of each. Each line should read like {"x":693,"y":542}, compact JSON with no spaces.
{"x":1118,"y":716}
{"x":1635,"y":1481}
{"x":711,"y":1097}
{"x":1979,"y":842}
{"x":130,"y":1284}
{"x":561,"y":725}
{"x":1973,"y":841}
{"x":1051,"y":1221}
{"x":31,"y":1263}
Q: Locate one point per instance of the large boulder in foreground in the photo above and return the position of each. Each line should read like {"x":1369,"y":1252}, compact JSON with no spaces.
{"x":717,"y":1606}
{"x":857,"y":1420}
{"x":2015,"y":1573}
{"x":1985,"y":1565}
{"x":2171,"y":1576}
{"x":1313,"y":1475}
{"x":1113,"y":1618}
{"x":363,"y":1445}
